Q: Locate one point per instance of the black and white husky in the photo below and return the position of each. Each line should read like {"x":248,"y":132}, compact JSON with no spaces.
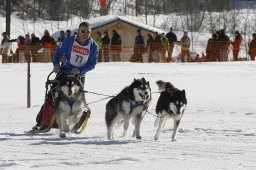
{"x":70,"y":104}
{"x":129,"y":103}
{"x":171,"y":104}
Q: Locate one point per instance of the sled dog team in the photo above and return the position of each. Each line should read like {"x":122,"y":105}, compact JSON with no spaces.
{"x":127,"y":106}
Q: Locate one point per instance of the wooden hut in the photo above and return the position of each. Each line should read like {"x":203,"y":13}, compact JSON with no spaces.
{"x":127,"y":28}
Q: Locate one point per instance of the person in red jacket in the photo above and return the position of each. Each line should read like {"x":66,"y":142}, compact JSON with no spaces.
{"x":47,"y":42}
{"x":20,"y":51}
{"x":236,"y":45}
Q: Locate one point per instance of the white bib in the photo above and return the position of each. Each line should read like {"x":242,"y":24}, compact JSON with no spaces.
{"x":79,"y":54}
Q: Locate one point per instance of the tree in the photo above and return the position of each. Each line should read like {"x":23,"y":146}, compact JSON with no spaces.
{"x":8,"y":17}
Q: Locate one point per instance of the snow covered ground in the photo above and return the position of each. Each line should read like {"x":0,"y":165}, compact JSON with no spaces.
{"x":218,"y":130}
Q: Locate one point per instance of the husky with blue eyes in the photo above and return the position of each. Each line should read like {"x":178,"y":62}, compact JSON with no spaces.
{"x":171,"y":104}
{"x":128,"y":104}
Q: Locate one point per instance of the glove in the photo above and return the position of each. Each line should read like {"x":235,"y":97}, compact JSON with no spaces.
{"x":56,"y":68}
{"x":75,"y":71}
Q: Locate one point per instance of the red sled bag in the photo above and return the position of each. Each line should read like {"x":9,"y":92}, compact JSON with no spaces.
{"x":47,"y":114}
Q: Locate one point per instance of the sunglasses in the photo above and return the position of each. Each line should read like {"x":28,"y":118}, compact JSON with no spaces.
{"x":85,"y":32}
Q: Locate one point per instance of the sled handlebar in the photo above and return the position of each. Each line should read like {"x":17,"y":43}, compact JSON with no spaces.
{"x":48,"y":77}
{"x":51,"y":81}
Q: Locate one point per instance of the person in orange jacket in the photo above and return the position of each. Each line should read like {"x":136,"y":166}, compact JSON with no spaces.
{"x":252,"y":47}
{"x":236,"y":45}
{"x":48,"y":42}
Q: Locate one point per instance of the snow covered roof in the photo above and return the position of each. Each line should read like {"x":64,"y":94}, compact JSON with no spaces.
{"x":104,"y":20}
{"x":97,"y":22}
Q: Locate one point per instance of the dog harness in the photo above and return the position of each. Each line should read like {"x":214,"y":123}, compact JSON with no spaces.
{"x":132,"y":107}
{"x":70,"y":102}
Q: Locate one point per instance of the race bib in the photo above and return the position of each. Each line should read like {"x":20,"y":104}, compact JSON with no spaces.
{"x":79,"y":54}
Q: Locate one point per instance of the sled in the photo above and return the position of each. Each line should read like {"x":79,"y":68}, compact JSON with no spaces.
{"x":48,"y":117}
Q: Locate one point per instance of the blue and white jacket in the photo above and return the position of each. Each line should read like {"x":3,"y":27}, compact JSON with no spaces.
{"x":71,"y":51}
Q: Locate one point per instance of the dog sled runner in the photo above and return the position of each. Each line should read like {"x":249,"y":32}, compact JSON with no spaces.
{"x":47,"y":114}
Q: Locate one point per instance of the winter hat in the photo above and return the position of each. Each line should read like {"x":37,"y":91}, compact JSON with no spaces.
{"x":46,"y":32}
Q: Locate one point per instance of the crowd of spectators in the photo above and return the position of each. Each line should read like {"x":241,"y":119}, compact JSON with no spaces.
{"x":29,"y":46}
{"x":156,"y":47}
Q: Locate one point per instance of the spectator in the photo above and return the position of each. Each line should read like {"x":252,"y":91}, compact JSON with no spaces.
{"x":139,"y":46}
{"x":172,"y":38}
{"x":27,"y":47}
{"x":149,"y":45}
{"x":105,"y":46}
{"x":27,"y":39}
{"x":252,"y":47}
{"x":116,"y":43}
{"x":218,"y":46}
{"x":236,"y":45}
{"x":68,"y":33}
{"x":35,"y":46}
{"x":47,"y":42}
{"x":4,"y":50}
{"x":19,"y":55}
{"x":61,"y":38}
{"x":211,"y":48}
{"x":35,"y":40}
{"x":157,"y":47}
{"x":185,"y":45}
{"x":98,"y":40}
{"x":166,"y":47}
{"x":224,"y":43}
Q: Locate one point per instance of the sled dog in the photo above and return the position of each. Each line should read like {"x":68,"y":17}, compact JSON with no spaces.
{"x":70,"y":104}
{"x":171,"y":104}
{"x":129,"y":103}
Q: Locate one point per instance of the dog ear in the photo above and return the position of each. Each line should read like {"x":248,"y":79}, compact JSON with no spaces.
{"x":148,"y":84}
{"x":168,"y":86}
{"x":63,"y":80}
{"x":80,"y":83}
{"x":183,"y":92}
{"x":159,"y":82}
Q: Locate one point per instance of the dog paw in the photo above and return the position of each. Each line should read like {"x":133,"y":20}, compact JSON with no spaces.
{"x":110,"y":137}
{"x":174,"y":139}
{"x":124,"y":134}
{"x":62,"y":135}
{"x":156,"y":137}
{"x":66,"y":129}
{"x":138,"y":137}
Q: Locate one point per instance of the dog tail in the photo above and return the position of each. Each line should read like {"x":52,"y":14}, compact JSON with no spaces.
{"x":163,"y":86}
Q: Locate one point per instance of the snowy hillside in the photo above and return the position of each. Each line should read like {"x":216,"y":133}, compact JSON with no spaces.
{"x":217,"y":131}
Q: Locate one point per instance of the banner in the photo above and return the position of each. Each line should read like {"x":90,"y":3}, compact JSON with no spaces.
{"x":103,"y":3}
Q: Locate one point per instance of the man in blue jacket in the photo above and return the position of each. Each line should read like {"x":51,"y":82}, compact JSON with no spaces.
{"x":80,"y":53}
{"x":76,"y":56}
